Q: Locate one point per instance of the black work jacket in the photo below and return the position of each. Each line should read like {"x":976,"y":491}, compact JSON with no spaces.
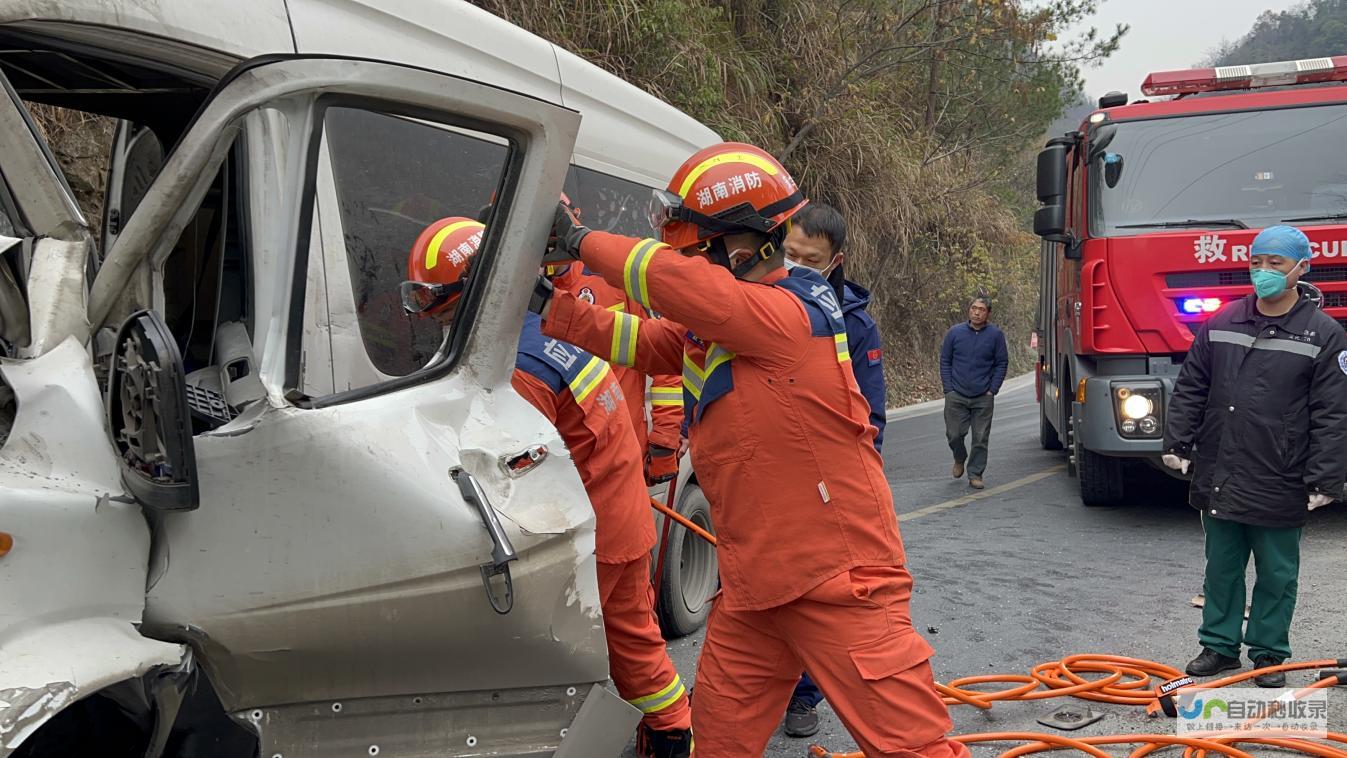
{"x":1261,"y":410}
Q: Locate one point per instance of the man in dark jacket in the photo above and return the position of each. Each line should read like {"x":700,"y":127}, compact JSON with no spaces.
{"x":973,"y":362}
{"x":1260,"y":413}
{"x":815,"y":241}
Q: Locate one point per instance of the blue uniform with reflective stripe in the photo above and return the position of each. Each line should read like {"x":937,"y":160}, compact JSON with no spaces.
{"x":558,"y":364}
{"x":708,"y":369}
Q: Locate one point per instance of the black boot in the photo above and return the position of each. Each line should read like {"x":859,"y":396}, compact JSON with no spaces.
{"x":801,"y":719}
{"x":676,"y":743}
{"x":1210,"y":663}
{"x":1272,"y":678}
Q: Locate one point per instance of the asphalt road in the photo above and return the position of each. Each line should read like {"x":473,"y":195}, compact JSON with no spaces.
{"x":1022,"y":573}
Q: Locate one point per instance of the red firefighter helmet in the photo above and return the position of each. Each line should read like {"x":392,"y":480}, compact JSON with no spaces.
{"x":723,"y":189}
{"x":437,"y":266}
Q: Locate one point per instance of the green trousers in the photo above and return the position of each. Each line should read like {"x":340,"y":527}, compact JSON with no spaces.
{"x":1276,"y":556}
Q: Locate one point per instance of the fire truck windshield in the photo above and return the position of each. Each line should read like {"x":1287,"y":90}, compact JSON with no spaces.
{"x":1251,"y":168}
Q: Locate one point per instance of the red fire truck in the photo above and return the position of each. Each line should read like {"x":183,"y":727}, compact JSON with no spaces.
{"x":1148,"y":212}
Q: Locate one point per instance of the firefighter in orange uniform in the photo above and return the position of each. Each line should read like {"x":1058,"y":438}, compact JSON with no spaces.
{"x":666,"y":391}
{"x":782,"y":445}
{"x":578,"y":393}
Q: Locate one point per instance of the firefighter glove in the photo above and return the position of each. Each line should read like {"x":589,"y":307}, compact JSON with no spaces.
{"x":661,"y":464}
{"x":567,"y":233}
{"x":542,"y":295}
{"x":1176,"y":463}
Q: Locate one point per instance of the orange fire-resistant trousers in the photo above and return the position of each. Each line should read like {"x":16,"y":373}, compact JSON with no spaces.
{"x":853,"y":634}
{"x":637,"y":660}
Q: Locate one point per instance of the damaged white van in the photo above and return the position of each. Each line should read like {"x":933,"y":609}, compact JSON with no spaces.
{"x":246,"y":507}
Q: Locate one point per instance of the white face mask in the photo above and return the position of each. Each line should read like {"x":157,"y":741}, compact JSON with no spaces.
{"x":823,"y":272}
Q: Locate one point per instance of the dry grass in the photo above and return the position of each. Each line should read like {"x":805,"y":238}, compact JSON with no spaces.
{"x":81,"y":143}
{"x":926,"y":234}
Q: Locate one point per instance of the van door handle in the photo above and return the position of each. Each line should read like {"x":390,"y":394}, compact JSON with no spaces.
{"x":502,"y":552}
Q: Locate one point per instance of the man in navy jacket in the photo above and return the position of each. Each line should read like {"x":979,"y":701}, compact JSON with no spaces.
{"x":973,"y":363}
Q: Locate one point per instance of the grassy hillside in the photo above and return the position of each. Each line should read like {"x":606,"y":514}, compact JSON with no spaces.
{"x":1313,"y":29}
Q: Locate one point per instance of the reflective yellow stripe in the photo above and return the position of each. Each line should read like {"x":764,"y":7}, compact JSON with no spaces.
{"x":690,"y":365}
{"x":843,"y":353}
{"x":433,"y":252}
{"x":589,"y":378}
{"x":662,"y":699}
{"x":668,"y":701}
{"x":625,"y":329}
{"x":634,"y":272}
{"x":692,"y":377}
{"x":715,"y":356}
{"x":756,"y":161}
{"x":666,"y":396}
{"x":695,"y":389}
{"x":618,"y":307}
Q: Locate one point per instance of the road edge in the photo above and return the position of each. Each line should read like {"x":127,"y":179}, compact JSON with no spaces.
{"x":932,"y":406}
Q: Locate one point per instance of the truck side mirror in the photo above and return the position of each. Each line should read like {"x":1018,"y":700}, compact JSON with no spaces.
{"x":149,"y":418}
{"x":1113,"y":168}
{"x":1051,"y":178}
{"x":1050,"y":220}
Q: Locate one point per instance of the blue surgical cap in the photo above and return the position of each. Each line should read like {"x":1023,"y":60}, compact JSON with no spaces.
{"x":1286,"y":241}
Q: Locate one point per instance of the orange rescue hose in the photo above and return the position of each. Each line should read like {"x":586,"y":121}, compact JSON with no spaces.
{"x":683,"y":520}
{"x":1125,"y":681}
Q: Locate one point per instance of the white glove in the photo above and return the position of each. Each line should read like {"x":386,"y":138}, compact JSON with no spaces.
{"x":1318,"y":500}
{"x":1174,"y":462}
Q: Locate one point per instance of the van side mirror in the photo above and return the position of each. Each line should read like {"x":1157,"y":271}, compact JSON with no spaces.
{"x":149,"y":418}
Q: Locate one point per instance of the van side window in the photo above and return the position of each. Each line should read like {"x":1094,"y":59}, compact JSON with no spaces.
{"x":610,"y":204}
{"x":394,"y":177}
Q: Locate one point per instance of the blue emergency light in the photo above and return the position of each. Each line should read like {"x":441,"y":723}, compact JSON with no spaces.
{"x":1199,"y":305}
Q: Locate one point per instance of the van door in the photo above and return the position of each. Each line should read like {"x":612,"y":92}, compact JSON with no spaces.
{"x":396,"y":557}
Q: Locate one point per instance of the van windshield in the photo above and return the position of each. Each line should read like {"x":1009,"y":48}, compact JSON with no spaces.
{"x":1253,"y":169}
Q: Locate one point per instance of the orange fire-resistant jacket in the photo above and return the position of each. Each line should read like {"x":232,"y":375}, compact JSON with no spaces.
{"x":779,"y":432}
{"x":666,"y":390}
{"x":578,"y":393}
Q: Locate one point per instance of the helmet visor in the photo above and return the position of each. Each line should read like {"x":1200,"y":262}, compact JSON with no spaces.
{"x":421,"y":297}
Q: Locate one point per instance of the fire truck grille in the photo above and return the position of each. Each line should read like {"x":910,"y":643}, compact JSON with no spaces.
{"x":1240,"y":278}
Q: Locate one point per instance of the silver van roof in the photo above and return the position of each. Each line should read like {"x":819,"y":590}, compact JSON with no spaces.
{"x":625,"y":132}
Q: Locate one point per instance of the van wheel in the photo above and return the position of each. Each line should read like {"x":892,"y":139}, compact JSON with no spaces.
{"x":1047,"y":435}
{"x":1101,"y":479}
{"x":691,"y":570}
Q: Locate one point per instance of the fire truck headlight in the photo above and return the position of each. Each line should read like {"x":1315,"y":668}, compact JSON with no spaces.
{"x":1137,"y":407}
